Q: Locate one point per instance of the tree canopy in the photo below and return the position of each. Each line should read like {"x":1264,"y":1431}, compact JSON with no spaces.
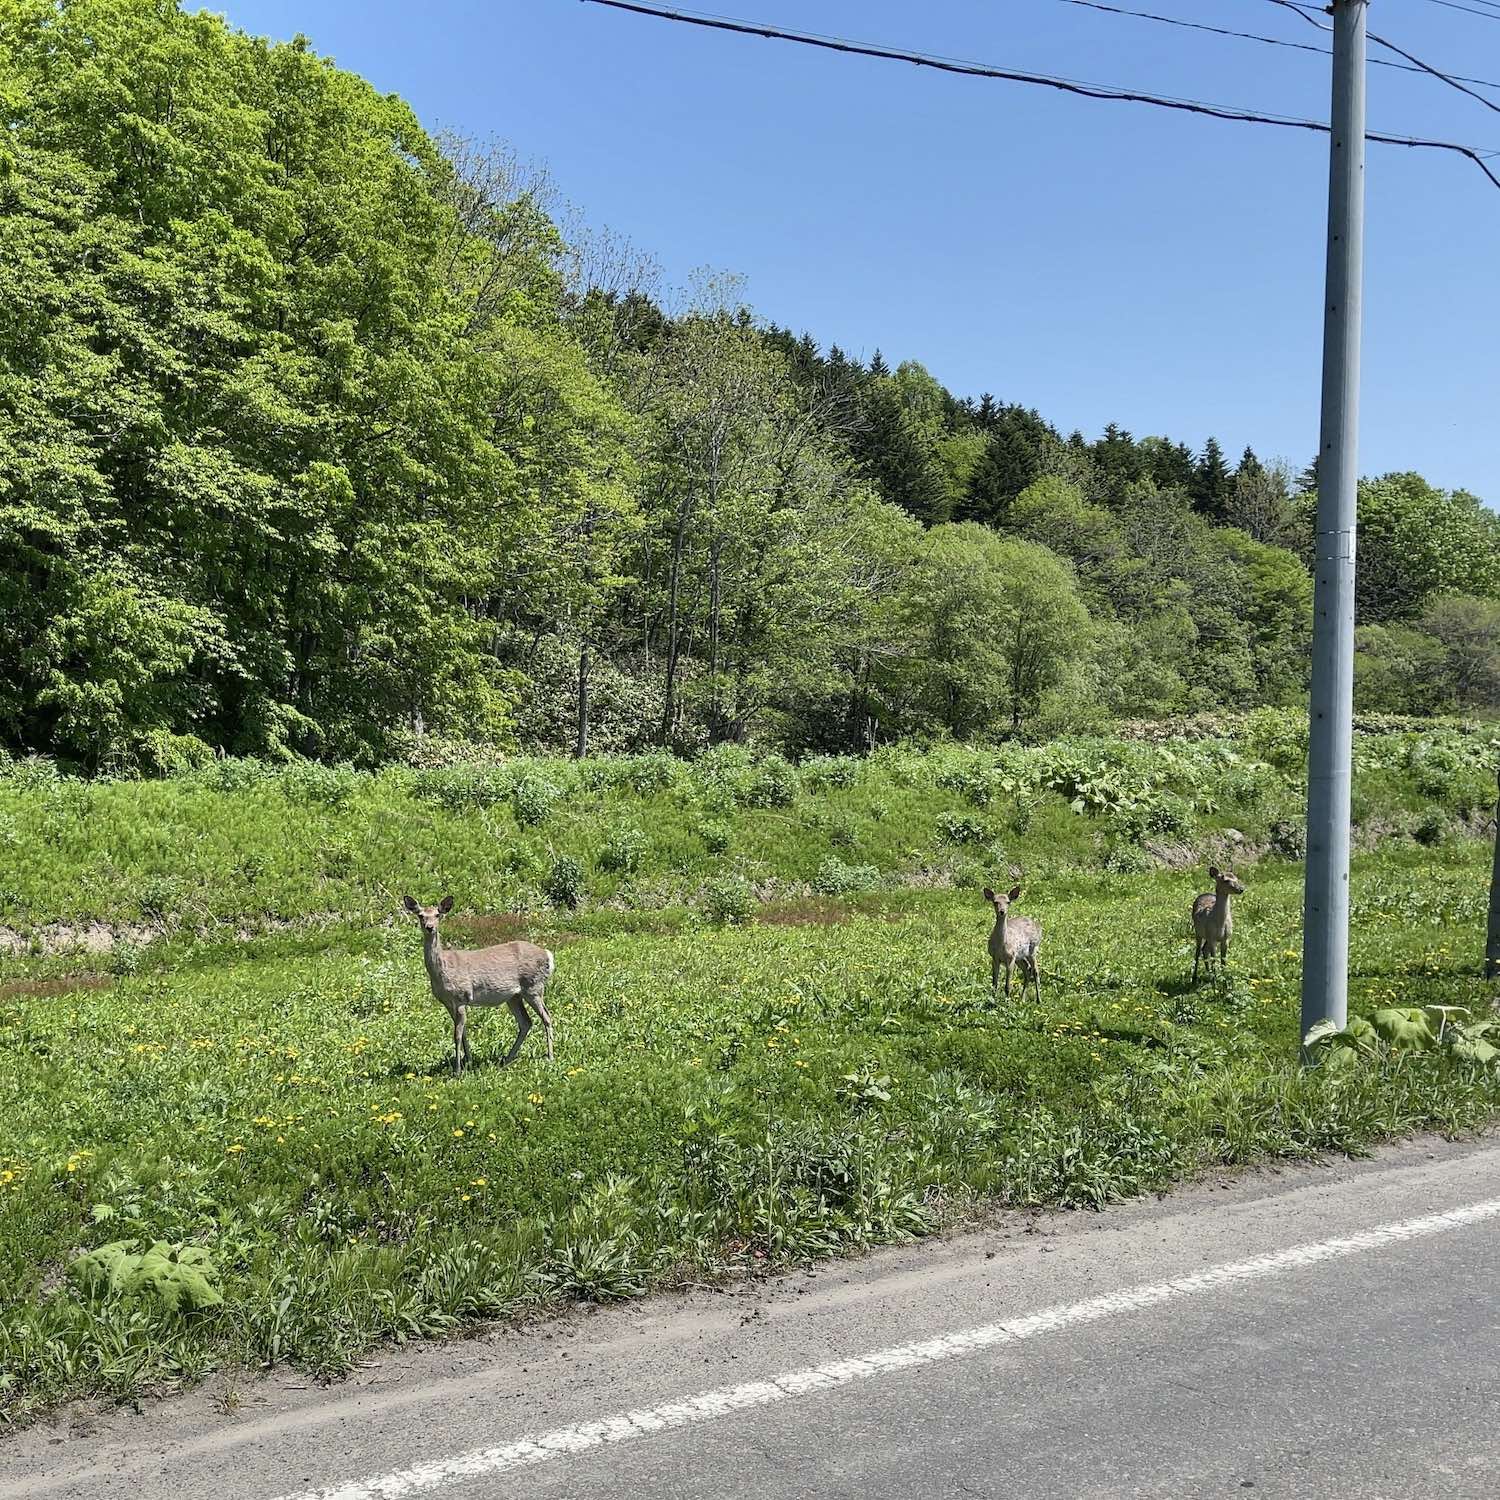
{"x":318,"y":435}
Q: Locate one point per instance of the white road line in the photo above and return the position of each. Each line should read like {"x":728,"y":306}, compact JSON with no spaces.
{"x":422,"y":1478}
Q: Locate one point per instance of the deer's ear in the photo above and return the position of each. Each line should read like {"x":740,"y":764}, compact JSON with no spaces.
{"x":1213,"y":872}
{"x":409,"y":904}
{"x":989,"y":895}
{"x":1015,"y":891}
{"x":445,"y":905}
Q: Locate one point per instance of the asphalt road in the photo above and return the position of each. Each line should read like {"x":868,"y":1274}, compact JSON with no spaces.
{"x":1320,"y":1332}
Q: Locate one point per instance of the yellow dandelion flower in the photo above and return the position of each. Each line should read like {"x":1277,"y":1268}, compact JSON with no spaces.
{"x":458,"y":1135}
{"x":234,"y":1148}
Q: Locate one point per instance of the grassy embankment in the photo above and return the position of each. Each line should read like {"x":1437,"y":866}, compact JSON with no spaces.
{"x":775,"y":1037}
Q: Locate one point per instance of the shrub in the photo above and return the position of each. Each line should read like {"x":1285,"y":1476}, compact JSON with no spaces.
{"x":563,"y":885}
{"x":235,"y":774}
{"x":533,"y":798}
{"x":1429,"y":827}
{"x":308,"y":783}
{"x":963,"y":828}
{"x":773,"y":784}
{"x":716,"y":834}
{"x":655,"y":772}
{"x":1165,"y":815}
{"x":162,"y":753}
{"x":823,"y":773}
{"x":841,"y":832}
{"x":460,"y":787}
{"x":1277,"y":735}
{"x":623,"y":851}
{"x":1121,"y":856}
{"x":835,"y":878}
{"x":1288,"y":838}
{"x":728,"y":898}
{"x":976,"y":783}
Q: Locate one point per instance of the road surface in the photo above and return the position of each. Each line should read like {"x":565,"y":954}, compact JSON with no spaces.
{"x":1328,"y":1332}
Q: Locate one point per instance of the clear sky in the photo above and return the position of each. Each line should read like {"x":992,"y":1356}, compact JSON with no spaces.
{"x":1101,"y":262}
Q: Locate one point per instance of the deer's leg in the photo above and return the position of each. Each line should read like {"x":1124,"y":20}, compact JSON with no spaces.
{"x":1197,"y":953}
{"x":523,"y":1025}
{"x":1223,"y":954}
{"x":994,"y":974}
{"x":460,"y":1041}
{"x":1008,"y":966}
{"x":539,"y":1006}
{"x":1036,"y":980}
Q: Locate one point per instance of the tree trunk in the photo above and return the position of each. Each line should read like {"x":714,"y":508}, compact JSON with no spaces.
{"x":1492,"y":930}
{"x":669,"y":705}
{"x":581,"y":747}
{"x":714,"y":715}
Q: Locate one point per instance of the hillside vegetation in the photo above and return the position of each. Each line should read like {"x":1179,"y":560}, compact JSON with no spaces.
{"x":234,"y":1137}
{"x":321,"y":436}
{"x":243,"y":844}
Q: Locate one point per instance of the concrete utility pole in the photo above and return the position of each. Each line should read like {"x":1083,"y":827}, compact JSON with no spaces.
{"x":1325,"y":930}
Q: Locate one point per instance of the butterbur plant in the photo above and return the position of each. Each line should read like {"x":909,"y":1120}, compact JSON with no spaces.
{"x":1405,"y":1029}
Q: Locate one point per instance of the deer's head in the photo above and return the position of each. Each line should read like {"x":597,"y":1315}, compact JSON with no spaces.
{"x":1225,"y":881}
{"x":428,"y":916}
{"x":1001,"y":901}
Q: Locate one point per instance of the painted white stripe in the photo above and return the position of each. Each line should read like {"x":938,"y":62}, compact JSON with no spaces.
{"x":423,"y":1478}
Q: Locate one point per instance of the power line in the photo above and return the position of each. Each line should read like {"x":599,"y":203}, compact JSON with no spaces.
{"x":1043,"y":80}
{"x":1252,"y":36}
{"x":1489,"y":15}
{"x":1302,"y":10}
{"x":1246,"y":36}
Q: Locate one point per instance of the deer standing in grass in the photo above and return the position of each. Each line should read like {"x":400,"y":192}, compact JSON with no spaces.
{"x":1213,"y":920}
{"x":513,"y":974}
{"x":1015,"y":940}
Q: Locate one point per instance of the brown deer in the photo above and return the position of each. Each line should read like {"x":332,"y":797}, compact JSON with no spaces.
{"x":1015,"y":940}
{"x":1213,"y":920}
{"x":513,"y":974}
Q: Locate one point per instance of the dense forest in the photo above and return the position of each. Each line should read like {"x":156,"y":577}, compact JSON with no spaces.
{"x":321,"y":436}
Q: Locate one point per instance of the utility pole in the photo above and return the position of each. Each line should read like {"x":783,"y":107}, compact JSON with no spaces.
{"x":1325,"y":928}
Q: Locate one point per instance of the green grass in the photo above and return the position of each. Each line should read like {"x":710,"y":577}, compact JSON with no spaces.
{"x":828,"y":1074}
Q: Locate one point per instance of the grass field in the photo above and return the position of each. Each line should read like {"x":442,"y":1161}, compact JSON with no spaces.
{"x":775,"y":1034}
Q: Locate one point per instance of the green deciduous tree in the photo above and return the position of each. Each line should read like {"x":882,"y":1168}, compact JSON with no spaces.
{"x":1416,"y":542}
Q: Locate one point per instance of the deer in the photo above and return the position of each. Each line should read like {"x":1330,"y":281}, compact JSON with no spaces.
{"x":513,"y":974}
{"x":1213,"y":919}
{"x":1014,"y":940}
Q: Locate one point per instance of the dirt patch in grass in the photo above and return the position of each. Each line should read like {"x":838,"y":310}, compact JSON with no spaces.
{"x":42,"y":988}
{"x":813,"y":911}
{"x":483,"y":929}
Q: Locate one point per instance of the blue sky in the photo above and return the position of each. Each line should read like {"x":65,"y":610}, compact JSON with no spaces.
{"x":1101,"y":262}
